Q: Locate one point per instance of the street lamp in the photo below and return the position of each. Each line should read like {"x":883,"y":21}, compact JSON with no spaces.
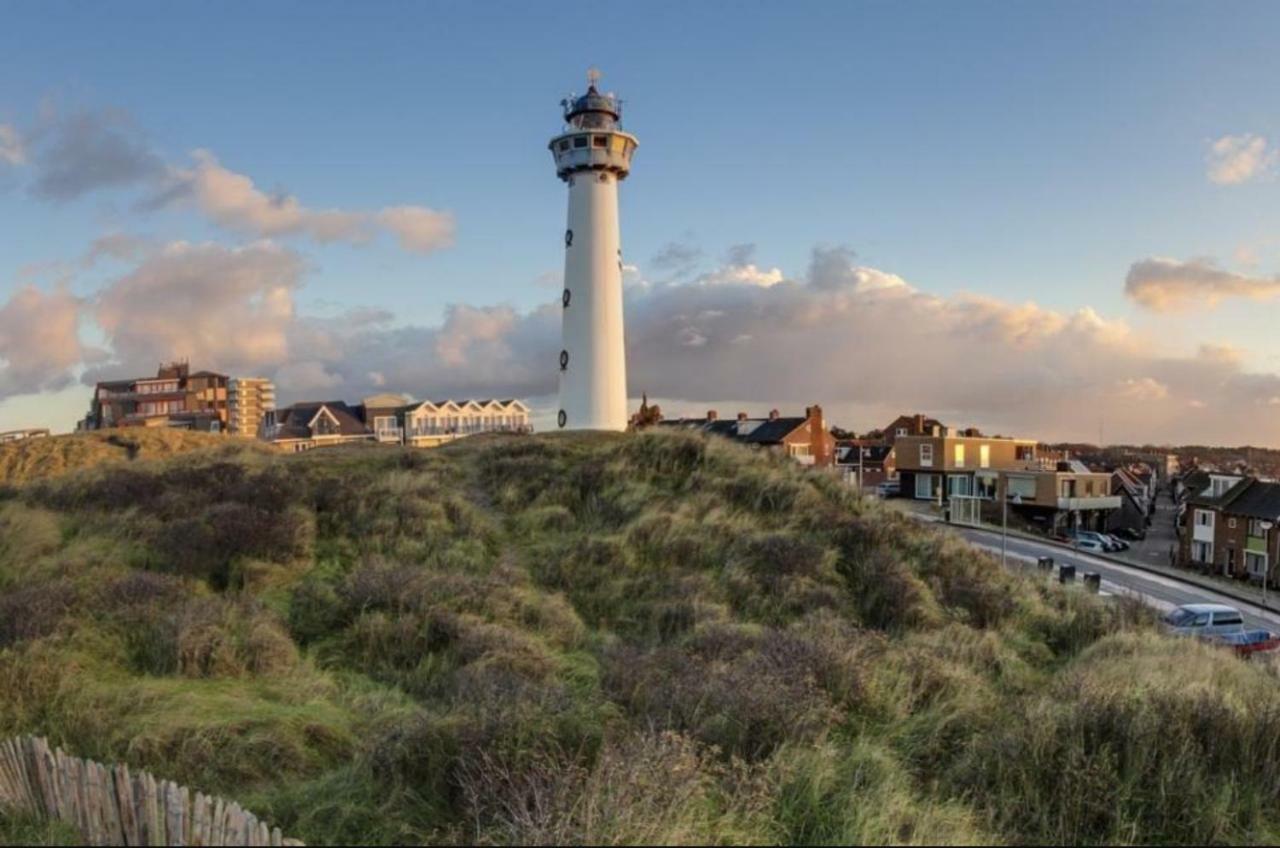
{"x":1266,"y":557}
{"x":1004,"y":523}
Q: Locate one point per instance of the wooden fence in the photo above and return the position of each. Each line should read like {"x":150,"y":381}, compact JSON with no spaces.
{"x":110,"y":806}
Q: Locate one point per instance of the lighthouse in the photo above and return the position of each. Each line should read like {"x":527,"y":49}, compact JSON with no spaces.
{"x":592,"y":156}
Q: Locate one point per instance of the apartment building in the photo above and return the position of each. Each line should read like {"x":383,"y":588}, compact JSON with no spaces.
{"x":1232,"y":530}
{"x":249,"y":399}
{"x":1055,"y":493}
{"x":175,"y":397}
{"x":934,"y":467}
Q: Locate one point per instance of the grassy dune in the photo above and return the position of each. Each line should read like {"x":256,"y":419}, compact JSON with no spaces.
{"x":603,"y":639}
{"x":39,"y":459}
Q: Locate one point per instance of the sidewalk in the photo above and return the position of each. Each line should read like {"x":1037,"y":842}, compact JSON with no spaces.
{"x":1144,"y":555}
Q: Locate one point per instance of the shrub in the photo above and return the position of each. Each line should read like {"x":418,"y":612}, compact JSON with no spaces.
{"x":34,"y":612}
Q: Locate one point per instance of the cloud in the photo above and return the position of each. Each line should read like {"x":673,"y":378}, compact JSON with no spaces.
{"x":677,"y":257}
{"x":860,"y":340}
{"x":86,"y":151}
{"x":1235,"y":159}
{"x":39,"y":341}
{"x":223,"y":308}
{"x":12,"y":149}
{"x":233,"y":201}
{"x":419,"y":229}
{"x":1166,"y":285}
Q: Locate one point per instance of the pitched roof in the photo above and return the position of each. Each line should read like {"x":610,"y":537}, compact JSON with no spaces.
{"x":1257,"y":500}
{"x":1205,"y":497}
{"x":295,"y":421}
{"x":767,"y":431}
{"x":874,"y":454}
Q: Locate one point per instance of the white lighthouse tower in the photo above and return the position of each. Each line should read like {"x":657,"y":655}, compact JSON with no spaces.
{"x":592,"y":155}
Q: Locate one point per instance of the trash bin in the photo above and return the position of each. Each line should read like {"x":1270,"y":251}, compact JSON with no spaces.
{"x":1066,"y":573}
{"x":1045,"y":564}
{"x":1093,"y":581}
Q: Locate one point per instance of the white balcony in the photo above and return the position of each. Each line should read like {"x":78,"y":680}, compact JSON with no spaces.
{"x":1106,"y":502}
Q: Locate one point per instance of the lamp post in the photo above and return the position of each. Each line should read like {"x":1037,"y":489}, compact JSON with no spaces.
{"x":1266,"y":555}
{"x":1004,"y":523}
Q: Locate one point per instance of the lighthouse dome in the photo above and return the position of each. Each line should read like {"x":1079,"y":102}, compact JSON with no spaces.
{"x":593,"y":110}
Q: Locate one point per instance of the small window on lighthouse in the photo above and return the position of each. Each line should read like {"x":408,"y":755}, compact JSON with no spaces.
{"x":597,"y":141}
{"x":564,"y":145}
{"x":565,"y":298}
{"x":564,"y":360}
{"x":580,"y":141}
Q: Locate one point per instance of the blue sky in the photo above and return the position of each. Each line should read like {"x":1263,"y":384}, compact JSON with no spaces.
{"x":1018,"y":152}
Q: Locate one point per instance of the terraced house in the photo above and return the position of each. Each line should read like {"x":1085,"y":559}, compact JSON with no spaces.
{"x":390,"y":419}
{"x":1231,"y":529}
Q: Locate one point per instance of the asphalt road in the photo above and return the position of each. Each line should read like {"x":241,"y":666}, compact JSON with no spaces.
{"x":1161,"y":592}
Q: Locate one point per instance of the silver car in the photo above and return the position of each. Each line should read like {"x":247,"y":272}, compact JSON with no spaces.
{"x":1204,"y":620}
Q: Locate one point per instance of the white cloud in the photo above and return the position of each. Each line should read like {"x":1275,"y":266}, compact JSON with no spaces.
{"x":1166,"y":285}
{"x":233,"y":201}
{"x":419,"y":230}
{"x":12,"y":149}
{"x":748,"y":274}
{"x":1235,"y":159}
{"x":228,"y":308}
{"x":1142,"y":389}
{"x":861,"y":341}
{"x":39,"y":341}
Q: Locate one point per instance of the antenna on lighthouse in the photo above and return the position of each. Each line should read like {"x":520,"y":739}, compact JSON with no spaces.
{"x":593,"y":76}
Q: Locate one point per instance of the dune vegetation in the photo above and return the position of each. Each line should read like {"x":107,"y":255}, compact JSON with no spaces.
{"x":651,"y":638}
{"x":40,"y":459}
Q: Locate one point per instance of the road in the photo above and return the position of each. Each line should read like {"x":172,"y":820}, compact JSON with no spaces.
{"x":1161,"y":592}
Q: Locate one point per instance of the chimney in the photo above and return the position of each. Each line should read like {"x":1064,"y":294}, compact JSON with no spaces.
{"x":919,"y":425}
{"x":712,"y":415}
{"x":773,"y":415}
{"x":742,"y":416}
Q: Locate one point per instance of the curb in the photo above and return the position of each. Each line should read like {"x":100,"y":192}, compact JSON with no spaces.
{"x":1226,"y":593}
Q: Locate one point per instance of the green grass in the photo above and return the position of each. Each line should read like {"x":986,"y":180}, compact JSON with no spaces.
{"x":602,"y":639}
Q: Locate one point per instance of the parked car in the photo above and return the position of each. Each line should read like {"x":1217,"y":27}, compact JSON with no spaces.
{"x":1093,"y":545}
{"x":1131,"y":533}
{"x":1204,"y":620}
{"x":889,"y":489}
{"x":1121,"y":544}
{"x":1105,"y":543}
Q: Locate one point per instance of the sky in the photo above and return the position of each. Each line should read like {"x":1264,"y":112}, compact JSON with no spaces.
{"x":1057,"y":220}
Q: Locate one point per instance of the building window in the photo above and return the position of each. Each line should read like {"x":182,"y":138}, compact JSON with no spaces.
{"x":598,"y":141}
{"x":580,"y":141}
{"x":924,"y":486}
{"x":1025,"y":453}
{"x":985,"y":486}
{"x":1255,"y":563}
{"x":959,"y":456}
{"x":1202,"y":551}
{"x":984,"y":456}
{"x":1204,"y":518}
{"x":1022,"y":487}
{"x":564,"y":145}
{"x":797,"y":450}
{"x":901,"y":431}
{"x":926,"y":456}
{"x":960,"y":485}
{"x":1256,"y":529}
